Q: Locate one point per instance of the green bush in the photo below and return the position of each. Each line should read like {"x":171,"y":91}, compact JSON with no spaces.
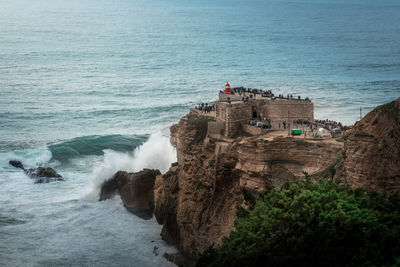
{"x":329,"y":172}
{"x":303,"y":142}
{"x":313,"y":224}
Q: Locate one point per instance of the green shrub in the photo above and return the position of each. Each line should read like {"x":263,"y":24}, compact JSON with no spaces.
{"x":313,"y":224}
{"x":329,"y":172}
{"x":303,"y":142}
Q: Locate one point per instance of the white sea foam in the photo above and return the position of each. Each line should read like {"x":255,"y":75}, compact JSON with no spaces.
{"x":155,"y":153}
{"x":30,"y":158}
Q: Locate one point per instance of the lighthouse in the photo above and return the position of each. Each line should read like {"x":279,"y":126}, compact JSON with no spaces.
{"x":227,"y":88}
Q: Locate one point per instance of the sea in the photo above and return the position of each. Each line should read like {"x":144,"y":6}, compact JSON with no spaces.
{"x":90,"y":87}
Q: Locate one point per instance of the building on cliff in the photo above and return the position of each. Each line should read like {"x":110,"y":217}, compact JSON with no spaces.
{"x":234,"y":109}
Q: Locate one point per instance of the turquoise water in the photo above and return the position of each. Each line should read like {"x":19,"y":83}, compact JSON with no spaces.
{"x":90,"y":87}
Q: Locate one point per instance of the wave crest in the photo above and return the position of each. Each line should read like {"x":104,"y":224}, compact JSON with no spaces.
{"x":95,"y":145}
{"x":155,"y":153}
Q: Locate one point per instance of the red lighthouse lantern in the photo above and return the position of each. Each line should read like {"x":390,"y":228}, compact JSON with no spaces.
{"x":227,"y":88}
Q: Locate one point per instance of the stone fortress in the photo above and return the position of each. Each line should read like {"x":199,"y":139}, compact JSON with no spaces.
{"x":236,"y":107}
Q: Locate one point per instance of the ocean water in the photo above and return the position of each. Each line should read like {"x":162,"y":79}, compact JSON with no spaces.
{"x":91,"y":87}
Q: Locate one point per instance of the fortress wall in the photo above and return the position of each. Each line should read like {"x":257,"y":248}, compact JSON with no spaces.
{"x":220,"y":110}
{"x":234,"y":114}
{"x":236,"y":111}
{"x":216,"y":129}
{"x":234,"y":97}
{"x":253,"y":130}
{"x":237,"y":114}
{"x":281,"y":109}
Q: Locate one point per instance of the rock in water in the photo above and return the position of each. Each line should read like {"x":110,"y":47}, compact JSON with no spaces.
{"x":136,"y":191}
{"x":43,"y":175}
{"x":16,"y":164}
{"x":371,"y":155}
{"x":40,"y":174}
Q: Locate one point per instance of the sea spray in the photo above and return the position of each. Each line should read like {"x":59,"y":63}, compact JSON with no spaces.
{"x":31,"y":158}
{"x":155,"y":153}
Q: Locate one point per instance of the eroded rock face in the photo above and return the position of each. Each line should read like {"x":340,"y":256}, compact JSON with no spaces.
{"x":136,"y":191}
{"x":196,"y":201}
{"x":371,"y":155}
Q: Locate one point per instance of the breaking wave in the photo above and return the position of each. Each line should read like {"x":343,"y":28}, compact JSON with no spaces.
{"x":95,"y":145}
{"x":155,"y":153}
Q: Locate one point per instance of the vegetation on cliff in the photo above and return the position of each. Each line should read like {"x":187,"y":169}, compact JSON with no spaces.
{"x":313,"y":224}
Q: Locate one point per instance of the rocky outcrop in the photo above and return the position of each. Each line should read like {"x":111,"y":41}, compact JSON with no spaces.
{"x":135,"y":189}
{"x":197,"y":199}
{"x":371,"y":155}
{"x":43,"y":175}
{"x":16,"y":164}
{"x":40,"y":174}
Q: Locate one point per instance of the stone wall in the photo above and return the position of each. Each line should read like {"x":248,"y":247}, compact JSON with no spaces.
{"x":216,"y":129}
{"x":233,"y":97}
{"x":254,"y":130}
{"x":234,"y":115}
{"x":286,"y":109}
{"x":277,"y":110}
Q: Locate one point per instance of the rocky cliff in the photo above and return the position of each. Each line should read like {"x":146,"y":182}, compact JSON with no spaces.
{"x":197,"y":199}
{"x":371,"y":155}
{"x":135,"y":189}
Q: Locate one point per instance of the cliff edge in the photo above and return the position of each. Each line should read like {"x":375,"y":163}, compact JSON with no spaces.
{"x":197,"y":199}
{"x":371,"y":155}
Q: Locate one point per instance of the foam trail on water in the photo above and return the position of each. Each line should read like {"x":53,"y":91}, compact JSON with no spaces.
{"x":155,"y":153}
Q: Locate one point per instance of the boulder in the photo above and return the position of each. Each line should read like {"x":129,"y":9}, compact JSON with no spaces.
{"x":43,"y":175}
{"x":40,"y":174}
{"x":136,"y":191}
{"x":16,"y":164}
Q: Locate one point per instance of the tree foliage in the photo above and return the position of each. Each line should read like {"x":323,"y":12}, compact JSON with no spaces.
{"x":313,"y":224}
